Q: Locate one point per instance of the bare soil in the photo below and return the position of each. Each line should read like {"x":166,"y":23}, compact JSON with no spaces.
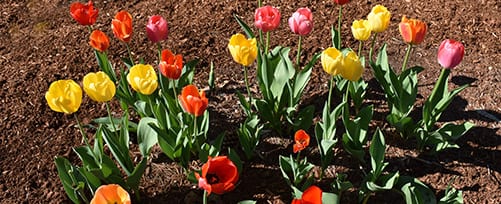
{"x":40,"y":43}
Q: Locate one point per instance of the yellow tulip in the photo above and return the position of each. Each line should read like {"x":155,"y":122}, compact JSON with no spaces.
{"x":98,"y":86}
{"x":331,"y":60}
{"x":243,"y":50}
{"x":64,"y":96}
{"x":361,"y":30}
{"x":352,"y":68}
{"x":379,"y":18}
{"x":143,"y":79}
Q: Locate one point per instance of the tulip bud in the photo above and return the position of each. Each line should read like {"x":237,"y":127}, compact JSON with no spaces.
{"x":64,"y":96}
{"x":192,"y":101}
{"x":352,"y":68}
{"x":341,"y":2}
{"x":122,"y":26}
{"x":361,"y":30}
{"x":171,"y":65}
{"x":267,"y":18}
{"x":99,"y":87}
{"x":331,"y":60}
{"x":301,"y":141}
{"x":412,"y":30}
{"x":143,"y":79}
{"x":379,"y":18}
{"x":111,"y":193}
{"x":347,"y":65}
{"x":99,"y":41}
{"x":450,"y":53}
{"x":157,"y":29}
{"x":84,"y":14}
{"x":301,"y":21}
{"x":243,"y":50}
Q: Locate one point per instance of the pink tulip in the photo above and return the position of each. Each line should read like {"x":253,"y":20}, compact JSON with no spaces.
{"x":450,"y":53}
{"x":157,"y":29}
{"x":301,"y":22}
{"x":267,"y":18}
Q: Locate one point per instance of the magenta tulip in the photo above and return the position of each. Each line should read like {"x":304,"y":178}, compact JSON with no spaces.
{"x":157,"y":29}
{"x":301,"y":22}
{"x":267,"y":18}
{"x":450,"y":53}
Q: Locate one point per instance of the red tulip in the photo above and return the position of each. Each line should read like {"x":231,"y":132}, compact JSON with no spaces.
{"x":171,"y":66}
{"x":84,"y":14}
{"x":192,"y":101}
{"x":122,"y":26}
{"x":157,"y":29}
{"x":312,"y":195}
{"x":219,"y":175}
{"x":99,"y":41}
{"x":302,"y":140}
{"x":450,"y":53}
{"x":412,"y":30}
{"x":301,"y":22}
{"x":267,"y":18}
{"x":341,"y":2}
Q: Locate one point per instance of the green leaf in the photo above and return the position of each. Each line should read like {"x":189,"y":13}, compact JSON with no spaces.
{"x":244,"y":26}
{"x":302,"y":78}
{"x":64,"y":169}
{"x":247,"y":202}
{"x":330,"y":198}
{"x":146,"y":136}
{"x":335,"y":40}
{"x":377,"y":151}
{"x":414,"y":191}
{"x":232,"y":154}
{"x":385,"y":182}
{"x":105,"y":65}
{"x":452,"y":196}
{"x":135,"y":177}
{"x":119,"y":151}
{"x":283,"y":72}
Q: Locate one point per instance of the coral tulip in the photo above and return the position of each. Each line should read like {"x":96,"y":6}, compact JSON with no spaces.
{"x":450,"y":53}
{"x":379,"y":18}
{"x":301,"y":21}
{"x":302,"y":140}
{"x":111,"y":193}
{"x":157,"y":29}
{"x":64,"y":96}
{"x":98,"y":86}
{"x":171,"y":65}
{"x":84,"y":14}
{"x":122,"y":26}
{"x":143,"y":79}
{"x":99,"y":41}
{"x":243,"y":50}
{"x":267,"y":18}
{"x":347,"y":65}
{"x":361,"y":30}
{"x":412,"y":30}
{"x":341,"y":2}
{"x":312,"y":195}
{"x":192,"y":101}
{"x":331,"y":59}
{"x":219,"y":175}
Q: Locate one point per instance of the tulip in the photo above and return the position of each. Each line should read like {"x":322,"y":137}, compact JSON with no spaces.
{"x":192,"y":101}
{"x":450,"y":53}
{"x":157,"y":29}
{"x":171,"y":65}
{"x":84,"y":14}
{"x":412,"y":30}
{"x":98,"y":86}
{"x":331,"y":59}
{"x":301,"y":21}
{"x":122,"y":26}
{"x":267,"y":18}
{"x":243,"y":50}
{"x":352,"y":68}
{"x":111,"y":193}
{"x":64,"y":96}
{"x":341,"y":2}
{"x":302,"y":140}
{"x":99,"y":41}
{"x":143,"y":79}
{"x":219,"y":175}
{"x":379,"y":18}
{"x":312,"y":195}
{"x":361,"y":30}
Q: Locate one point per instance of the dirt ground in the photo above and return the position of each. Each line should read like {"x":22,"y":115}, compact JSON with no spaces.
{"x":40,"y":43}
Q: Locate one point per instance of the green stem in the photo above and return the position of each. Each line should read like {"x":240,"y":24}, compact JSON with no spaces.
{"x":366,"y":198}
{"x":340,"y":16}
{"x":372,"y":46}
{"x":247,"y":85}
{"x":267,"y":42}
{"x":159,"y":48}
{"x":130,"y":54}
{"x":330,"y":94}
{"x":110,"y":116}
{"x":174,"y":89}
{"x":407,"y":54}
{"x":347,"y":93}
{"x":80,"y":190}
{"x":84,"y":136}
{"x":89,"y":28}
{"x":360,"y":45}
{"x":205,"y":197}
{"x":136,"y":193}
{"x":298,"y":57}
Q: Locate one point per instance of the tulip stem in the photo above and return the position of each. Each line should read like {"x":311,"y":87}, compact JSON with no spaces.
{"x":110,"y":116}
{"x":298,"y":57}
{"x":407,"y":55}
{"x":174,"y":88}
{"x":259,"y":3}
{"x":84,"y":136}
{"x":159,"y":48}
{"x":360,"y":44}
{"x":330,"y":94}
{"x":205,"y":197}
{"x":372,"y":46}
{"x":366,"y":198}
{"x":130,"y":54}
{"x":247,"y":85}
{"x":195,"y":132}
{"x":267,"y":42}
{"x":340,"y":16}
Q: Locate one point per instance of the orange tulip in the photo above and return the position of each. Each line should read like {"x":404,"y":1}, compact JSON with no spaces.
{"x":171,"y":65}
{"x":312,"y":195}
{"x":412,"y":30}
{"x":122,"y":26}
{"x":99,"y":41}
{"x":219,"y":175}
{"x":302,"y":140}
{"x":111,"y":193}
{"x":192,"y":101}
{"x":84,"y":14}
